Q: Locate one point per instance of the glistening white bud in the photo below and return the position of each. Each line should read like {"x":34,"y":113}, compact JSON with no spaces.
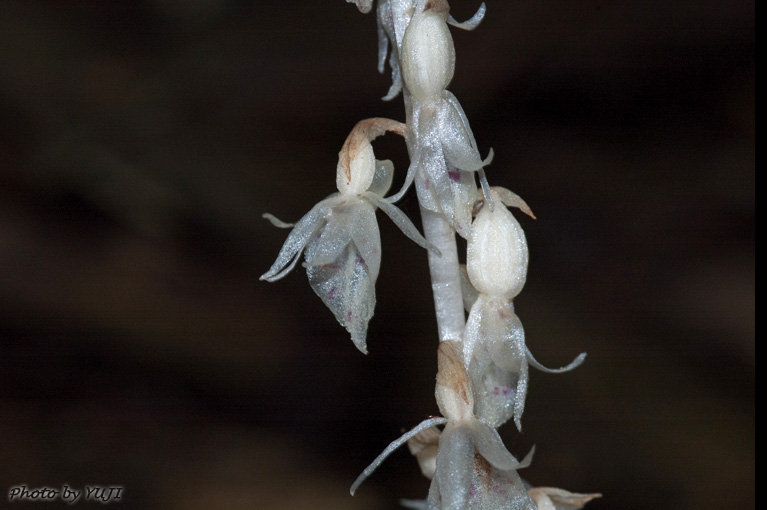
{"x":497,"y":251}
{"x":428,"y":54}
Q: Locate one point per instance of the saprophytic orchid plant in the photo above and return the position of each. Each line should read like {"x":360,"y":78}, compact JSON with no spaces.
{"x":483,"y":362}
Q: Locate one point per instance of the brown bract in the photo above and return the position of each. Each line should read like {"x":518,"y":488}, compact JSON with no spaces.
{"x":440,"y":6}
{"x":451,"y":372}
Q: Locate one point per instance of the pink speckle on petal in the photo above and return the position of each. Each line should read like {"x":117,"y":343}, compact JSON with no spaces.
{"x":454,"y":175}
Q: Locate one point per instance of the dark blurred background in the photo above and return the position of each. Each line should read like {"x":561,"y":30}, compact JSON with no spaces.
{"x":141,"y":141}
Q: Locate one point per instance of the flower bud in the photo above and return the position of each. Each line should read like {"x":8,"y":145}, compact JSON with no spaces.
{"x":497,"y":251}
{"x":428,"y":54}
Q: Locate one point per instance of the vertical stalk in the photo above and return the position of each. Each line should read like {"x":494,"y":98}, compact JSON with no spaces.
{"x":445,"y":276}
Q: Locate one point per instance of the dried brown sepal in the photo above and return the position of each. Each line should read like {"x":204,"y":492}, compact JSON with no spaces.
{"x":440,"y":6}
{"x":451,"y":373}
{"x":364,"y":132}
{"x":550,"y":498}
{"x":423,"y":447}
{"x":511,"y":199}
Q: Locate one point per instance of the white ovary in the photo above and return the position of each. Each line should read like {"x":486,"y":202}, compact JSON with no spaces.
{"x":428,"y":54}
{"x":497,"y":254}
{"x":362,"y":169}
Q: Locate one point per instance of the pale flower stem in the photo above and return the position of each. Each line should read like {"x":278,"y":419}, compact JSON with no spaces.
{"x":445,"y":276}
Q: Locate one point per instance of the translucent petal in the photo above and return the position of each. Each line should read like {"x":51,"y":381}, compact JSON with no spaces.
{"x":332,"y":240}
{"x":491,"y":447}
{"x":302,"y":233}
{"x":471,"y":23}
{"x":498,"y":490}
{"x":459,"y":123}
{"x":434,"y":498}
{"x":415,"y":163}
{"x":436,"y":181}
{"x":383,"y":178}
{"x":393,"y":446}
{"x":363,"y":229}
{"x":468,"y":291}
{"x":382,"y":13}
{"x":494,"y":351}
{"x":464,"y":196}
{"x":402,"y":221}
{"x":511,"y":199}
{"x":417,"y":156}
{"x":573,"y":364}
{"x":386,"y":36}
{"x":274,"y":220}
{"x":455,"y":466}
{"x":494,"y":394}
{"x":456,"y":137}
{"x":519,"y":398}
{"x":345,"y":286}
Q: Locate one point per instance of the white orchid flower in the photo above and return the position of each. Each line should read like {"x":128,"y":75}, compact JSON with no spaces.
{"x":340,"y":234}
{"x":393,"y":18}
{"x":470,"y":453}
{"x":494,"y":339}
{"x":444,"y":154}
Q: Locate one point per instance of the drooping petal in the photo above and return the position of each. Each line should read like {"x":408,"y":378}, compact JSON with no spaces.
{"x":573,"y":364}
{"x":494,"y":489}
{"x":274,"y":220}
{"x":471,"y":23}
{"x":331,"y":241}
{"x":433,"y":182}
{"x":519,"y":398}
{"x":496,"y":391}
{"x":393,"y":446}
{"x":468,"y":291}
{"x":494,"y":351}
{"x":402,"y":221}
{"x":456,"y":135}
{"x":455,"y":466}
{"x":511,"y":199}
{"x":363,"y":229}
{"x":383,"y":22}
{"x":489,"y":444}
{"x":464,"y":196}
{"x":386,"y":36}
{"x":346,"y":288}
{"x":306,"y":228}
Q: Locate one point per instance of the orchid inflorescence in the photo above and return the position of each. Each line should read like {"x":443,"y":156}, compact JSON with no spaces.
{"x":483,"y":362}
